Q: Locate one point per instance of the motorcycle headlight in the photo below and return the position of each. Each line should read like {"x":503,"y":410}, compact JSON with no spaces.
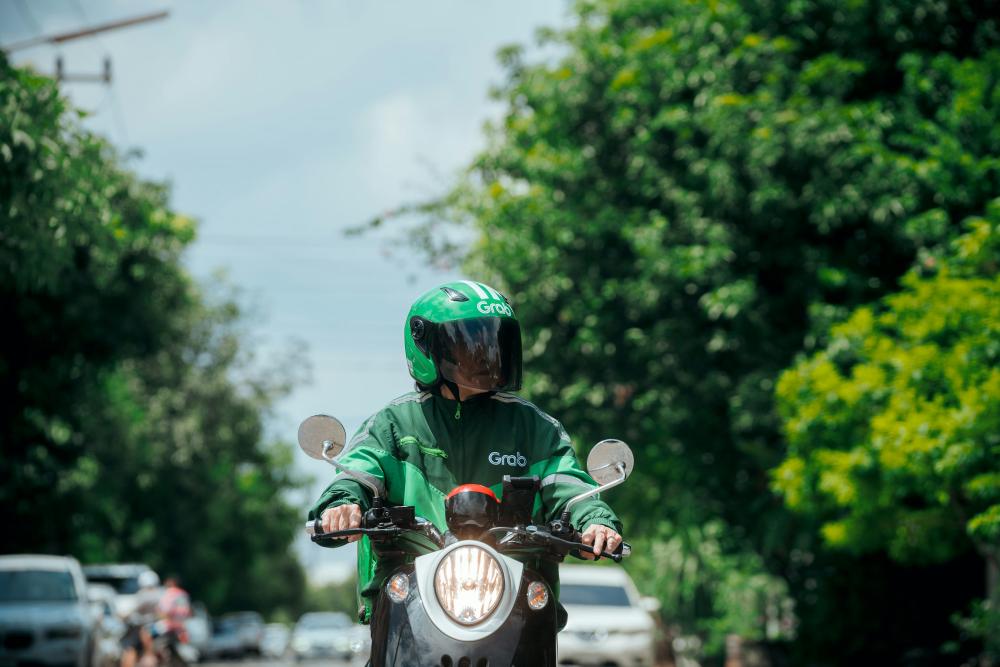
{"x":469,"y":584}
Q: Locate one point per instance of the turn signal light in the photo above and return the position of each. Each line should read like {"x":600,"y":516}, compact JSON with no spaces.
{"x":538,"y":595}
{"x":398,"y":587}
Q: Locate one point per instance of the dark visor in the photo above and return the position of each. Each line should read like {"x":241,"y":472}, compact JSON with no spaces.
{"x":482,"y":353}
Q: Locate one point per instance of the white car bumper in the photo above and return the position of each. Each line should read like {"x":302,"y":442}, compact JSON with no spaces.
{"x":601,"y":648}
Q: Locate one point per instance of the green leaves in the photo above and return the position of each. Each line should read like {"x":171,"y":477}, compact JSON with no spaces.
{"x":131,"y":418}
{"x":893,"y":428}
{"x":684,"y":200}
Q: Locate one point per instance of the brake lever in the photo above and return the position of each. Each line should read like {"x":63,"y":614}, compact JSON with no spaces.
{"x":373,"y":533}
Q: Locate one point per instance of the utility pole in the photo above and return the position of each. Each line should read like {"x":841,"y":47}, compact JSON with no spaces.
{"x":61,"y":38}
{"x":103,"y":77}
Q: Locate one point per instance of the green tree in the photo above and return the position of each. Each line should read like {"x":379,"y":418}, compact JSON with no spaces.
{"x":131,"y":416}
{"x":894,"y":427}
{"x":89,"y":276}
{"x":684,"y":199}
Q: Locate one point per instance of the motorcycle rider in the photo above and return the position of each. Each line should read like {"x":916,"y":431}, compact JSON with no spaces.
{"x":159,"y":613}
{"x":137,"y":641}
{"x":173,"y":608}
{"x":463,"y":348}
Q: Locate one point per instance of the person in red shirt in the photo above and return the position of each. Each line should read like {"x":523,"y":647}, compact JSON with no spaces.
{"x":174,"y":607}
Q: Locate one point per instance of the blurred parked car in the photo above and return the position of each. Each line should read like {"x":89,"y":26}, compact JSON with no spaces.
{"x":609,"y":624}
{"x":199,"y":631}
{"x":275,"y":641}
{"x":249,"y":627}
{"x":124,"y":578}
{"x":225,"y":642}
{"x":108,"y":628}
{"x":326,"y":634}
{"x":45,"y":618}
{"x":361,"y":640}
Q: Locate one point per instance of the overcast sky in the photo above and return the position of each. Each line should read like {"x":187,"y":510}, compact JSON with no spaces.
{"x":280,"y":124}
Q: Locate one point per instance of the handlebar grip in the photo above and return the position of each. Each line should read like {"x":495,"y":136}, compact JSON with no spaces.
{"x":624,"y":550}
{"x":313,"y":527}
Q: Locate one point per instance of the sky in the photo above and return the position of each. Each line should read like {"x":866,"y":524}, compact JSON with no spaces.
{"x":280,"y":125}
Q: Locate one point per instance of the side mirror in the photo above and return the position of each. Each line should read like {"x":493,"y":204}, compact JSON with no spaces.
{"x":610,"y":460}
{"x":322,"y":437}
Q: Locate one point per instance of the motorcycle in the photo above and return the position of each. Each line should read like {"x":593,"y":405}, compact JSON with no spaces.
{"x":156,"y":645}
{"x":464,"y":598}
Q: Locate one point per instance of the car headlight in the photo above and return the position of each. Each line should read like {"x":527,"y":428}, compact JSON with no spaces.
{"x":469,"y":583}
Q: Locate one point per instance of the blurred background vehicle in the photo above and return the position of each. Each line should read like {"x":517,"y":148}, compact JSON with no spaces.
{"x":275,"y":640}
{"x":326,"y":634}
{"x":45,"y":618}
{"x":223,"y":643}
{"x":609,"y":623}
{"x":361,"y":640}
{"x":123,"y":578}
{"x":108,"y":628}
{"x":249,"y":627}
{"x":199,"y":632}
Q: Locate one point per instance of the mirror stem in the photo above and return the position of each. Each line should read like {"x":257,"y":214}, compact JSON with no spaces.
{"x":593,"y":492}
{"x":351,"y":473}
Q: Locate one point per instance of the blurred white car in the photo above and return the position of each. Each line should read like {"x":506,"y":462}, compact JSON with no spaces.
{"x":249,"y":626}
{"x":323,"y":634}
{"x":199,"y":631}
{"x":275,"y":640}
{"x":124,"y":578}
{"x":361,"y":641}
{"x":609,"y":623}
{"x":225,"y":642}
{"x":45,"y":618}
{"x":108,"y":628}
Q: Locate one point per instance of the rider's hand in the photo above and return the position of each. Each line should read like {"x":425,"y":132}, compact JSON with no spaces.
{"x":603,"y":539}
{"x":342,"y":517}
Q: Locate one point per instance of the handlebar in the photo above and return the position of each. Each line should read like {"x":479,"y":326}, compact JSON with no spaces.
{"x":314,"y":529}
{"x":539,"y":537}
{"x":569,"y":545}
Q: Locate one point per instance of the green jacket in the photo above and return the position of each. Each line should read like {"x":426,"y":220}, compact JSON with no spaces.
{"x":422,"y":445}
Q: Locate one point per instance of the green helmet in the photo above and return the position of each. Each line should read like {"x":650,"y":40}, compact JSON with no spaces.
{"x":464,"y":333}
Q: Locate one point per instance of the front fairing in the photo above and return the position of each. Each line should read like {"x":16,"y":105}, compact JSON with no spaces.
{"x":417,"y":632}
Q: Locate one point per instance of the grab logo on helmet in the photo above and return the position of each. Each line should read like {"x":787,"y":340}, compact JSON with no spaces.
{"x":494,"y":308}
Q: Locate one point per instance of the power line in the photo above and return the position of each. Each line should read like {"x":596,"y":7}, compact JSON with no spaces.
{"x":83,"y":32}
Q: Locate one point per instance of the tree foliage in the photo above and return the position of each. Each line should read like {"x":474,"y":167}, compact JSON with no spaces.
{"x":894,"y":427}
{"x":686,"y":197}
{"x":131,"y":419}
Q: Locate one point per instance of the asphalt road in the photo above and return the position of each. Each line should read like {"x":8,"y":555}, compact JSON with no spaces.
{"x":268,"y":662}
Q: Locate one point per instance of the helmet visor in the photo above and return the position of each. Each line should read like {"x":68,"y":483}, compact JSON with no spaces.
{"x":482,"y":353}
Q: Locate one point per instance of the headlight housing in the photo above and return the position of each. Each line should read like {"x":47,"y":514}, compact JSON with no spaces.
{"x":469,"y":583}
